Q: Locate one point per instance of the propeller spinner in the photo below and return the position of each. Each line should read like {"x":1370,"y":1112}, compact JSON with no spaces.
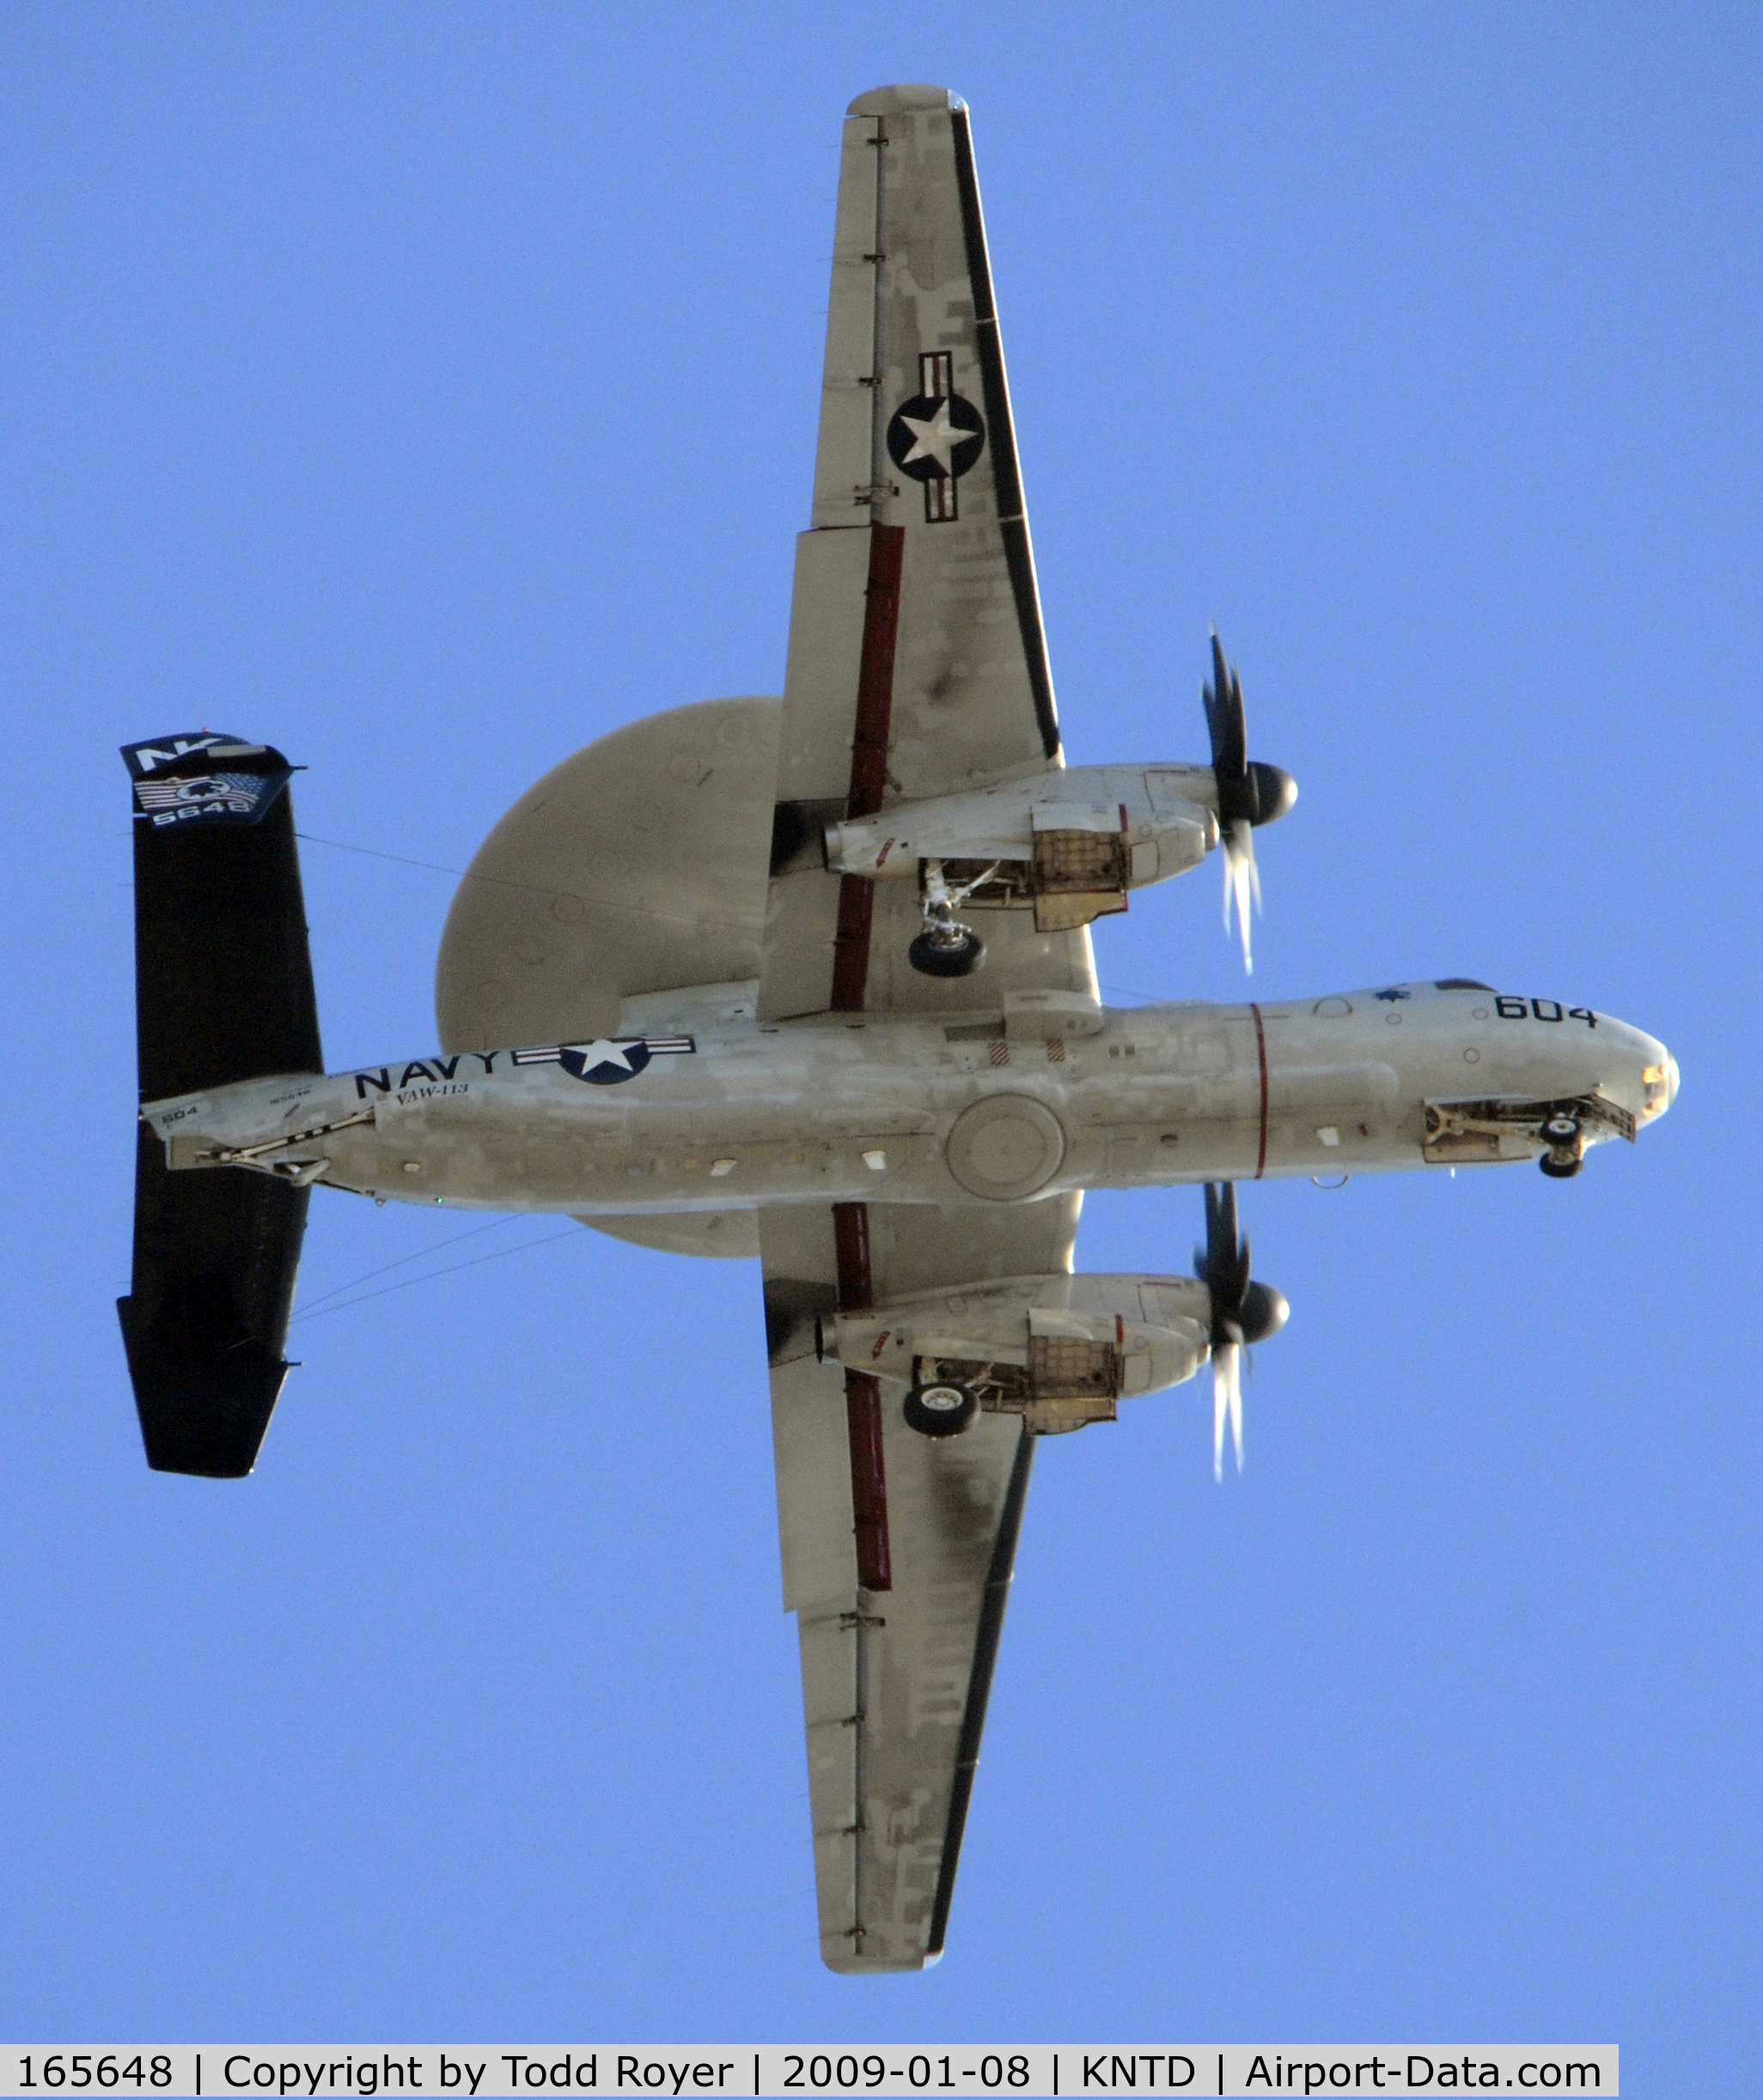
{"x":1243,"y":1312}
{"x":1250,"y":793}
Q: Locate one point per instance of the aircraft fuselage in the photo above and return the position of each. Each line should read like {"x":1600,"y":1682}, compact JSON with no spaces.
{"x":717,"y":1110}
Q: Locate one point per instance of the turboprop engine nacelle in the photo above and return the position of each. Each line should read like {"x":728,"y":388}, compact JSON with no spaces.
{"x":1071,"y":843}
{"x":1059,"y":1350}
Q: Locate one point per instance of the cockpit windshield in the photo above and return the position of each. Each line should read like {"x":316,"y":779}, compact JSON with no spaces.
{"x":1460,"y":983}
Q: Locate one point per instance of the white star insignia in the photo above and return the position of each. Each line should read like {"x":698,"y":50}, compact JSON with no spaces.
{"x":605,"y":1053}
{"x":934,"y":438}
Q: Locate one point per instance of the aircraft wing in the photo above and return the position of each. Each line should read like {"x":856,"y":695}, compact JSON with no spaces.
{"x":917,"y":664}
{"x":898,"y":1550}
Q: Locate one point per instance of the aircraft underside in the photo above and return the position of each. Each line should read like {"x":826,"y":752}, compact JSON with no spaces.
{"x":810,"y":980}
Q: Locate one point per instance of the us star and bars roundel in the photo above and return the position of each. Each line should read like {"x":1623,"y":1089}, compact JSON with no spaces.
{"x":610,"y":1059}
{"x":603,"y":1063}
{"x":929,"y":439}
{"x":935,"y":438}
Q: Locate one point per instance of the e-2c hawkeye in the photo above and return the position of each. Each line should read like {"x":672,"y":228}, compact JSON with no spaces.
{"x":809,"y":979}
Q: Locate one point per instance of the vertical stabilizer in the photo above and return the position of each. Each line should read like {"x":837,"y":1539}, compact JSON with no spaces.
{"x":223,"y":993}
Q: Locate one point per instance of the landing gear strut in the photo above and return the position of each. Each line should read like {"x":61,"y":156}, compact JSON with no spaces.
{"x":946,"y":948}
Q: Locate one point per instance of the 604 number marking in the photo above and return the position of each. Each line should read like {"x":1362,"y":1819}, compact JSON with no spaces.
{"x":1543,"y":1009}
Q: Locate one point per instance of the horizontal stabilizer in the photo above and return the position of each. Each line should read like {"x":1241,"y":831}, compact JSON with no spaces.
{"x":223,"y":993}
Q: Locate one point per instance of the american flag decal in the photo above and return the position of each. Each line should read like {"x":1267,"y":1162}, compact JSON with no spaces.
{"x":238,"y":794}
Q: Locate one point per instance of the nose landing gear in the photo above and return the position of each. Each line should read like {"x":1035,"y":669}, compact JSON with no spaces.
{"x":1563,"y":1160}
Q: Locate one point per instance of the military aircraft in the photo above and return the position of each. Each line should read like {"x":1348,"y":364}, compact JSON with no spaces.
{"x":810,"y":980}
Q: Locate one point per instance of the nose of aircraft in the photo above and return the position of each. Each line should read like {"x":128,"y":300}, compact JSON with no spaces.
{"x":1659,"y":1079}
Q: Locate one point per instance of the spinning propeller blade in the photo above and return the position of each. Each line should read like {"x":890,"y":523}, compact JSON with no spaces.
{"x":1226,"y":1398}
{"x":1249,"y":792}
{"x":1243,"y":1312}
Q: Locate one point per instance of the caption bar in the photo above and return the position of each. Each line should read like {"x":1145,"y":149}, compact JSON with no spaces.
{"x":477,"y":2072}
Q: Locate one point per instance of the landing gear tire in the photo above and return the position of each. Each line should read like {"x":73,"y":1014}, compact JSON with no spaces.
{"x":957,"y":953}
{"x":1560,"y":1133}
{"x":941,"y":1410}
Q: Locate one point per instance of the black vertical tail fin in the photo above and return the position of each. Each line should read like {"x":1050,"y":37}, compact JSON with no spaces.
{"x":223,"y":993}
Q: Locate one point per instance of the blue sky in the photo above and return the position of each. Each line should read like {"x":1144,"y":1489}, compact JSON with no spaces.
{"x":430,"y":390}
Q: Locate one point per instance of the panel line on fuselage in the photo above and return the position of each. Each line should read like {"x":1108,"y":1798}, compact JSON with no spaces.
{"x":1261,"y":1054}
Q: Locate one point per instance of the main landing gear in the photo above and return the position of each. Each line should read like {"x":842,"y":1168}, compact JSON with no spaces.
{"x":946,"y":951}
{"x":946,"y":948}
{"x":1563,"y":1160}
{"x":941,"y":1410}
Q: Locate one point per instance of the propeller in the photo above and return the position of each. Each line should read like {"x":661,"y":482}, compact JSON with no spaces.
{"x":1243,"y":1312}
{"x":1249,"y":792}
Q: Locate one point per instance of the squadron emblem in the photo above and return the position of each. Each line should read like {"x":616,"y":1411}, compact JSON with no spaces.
{"x":175,"y":781}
